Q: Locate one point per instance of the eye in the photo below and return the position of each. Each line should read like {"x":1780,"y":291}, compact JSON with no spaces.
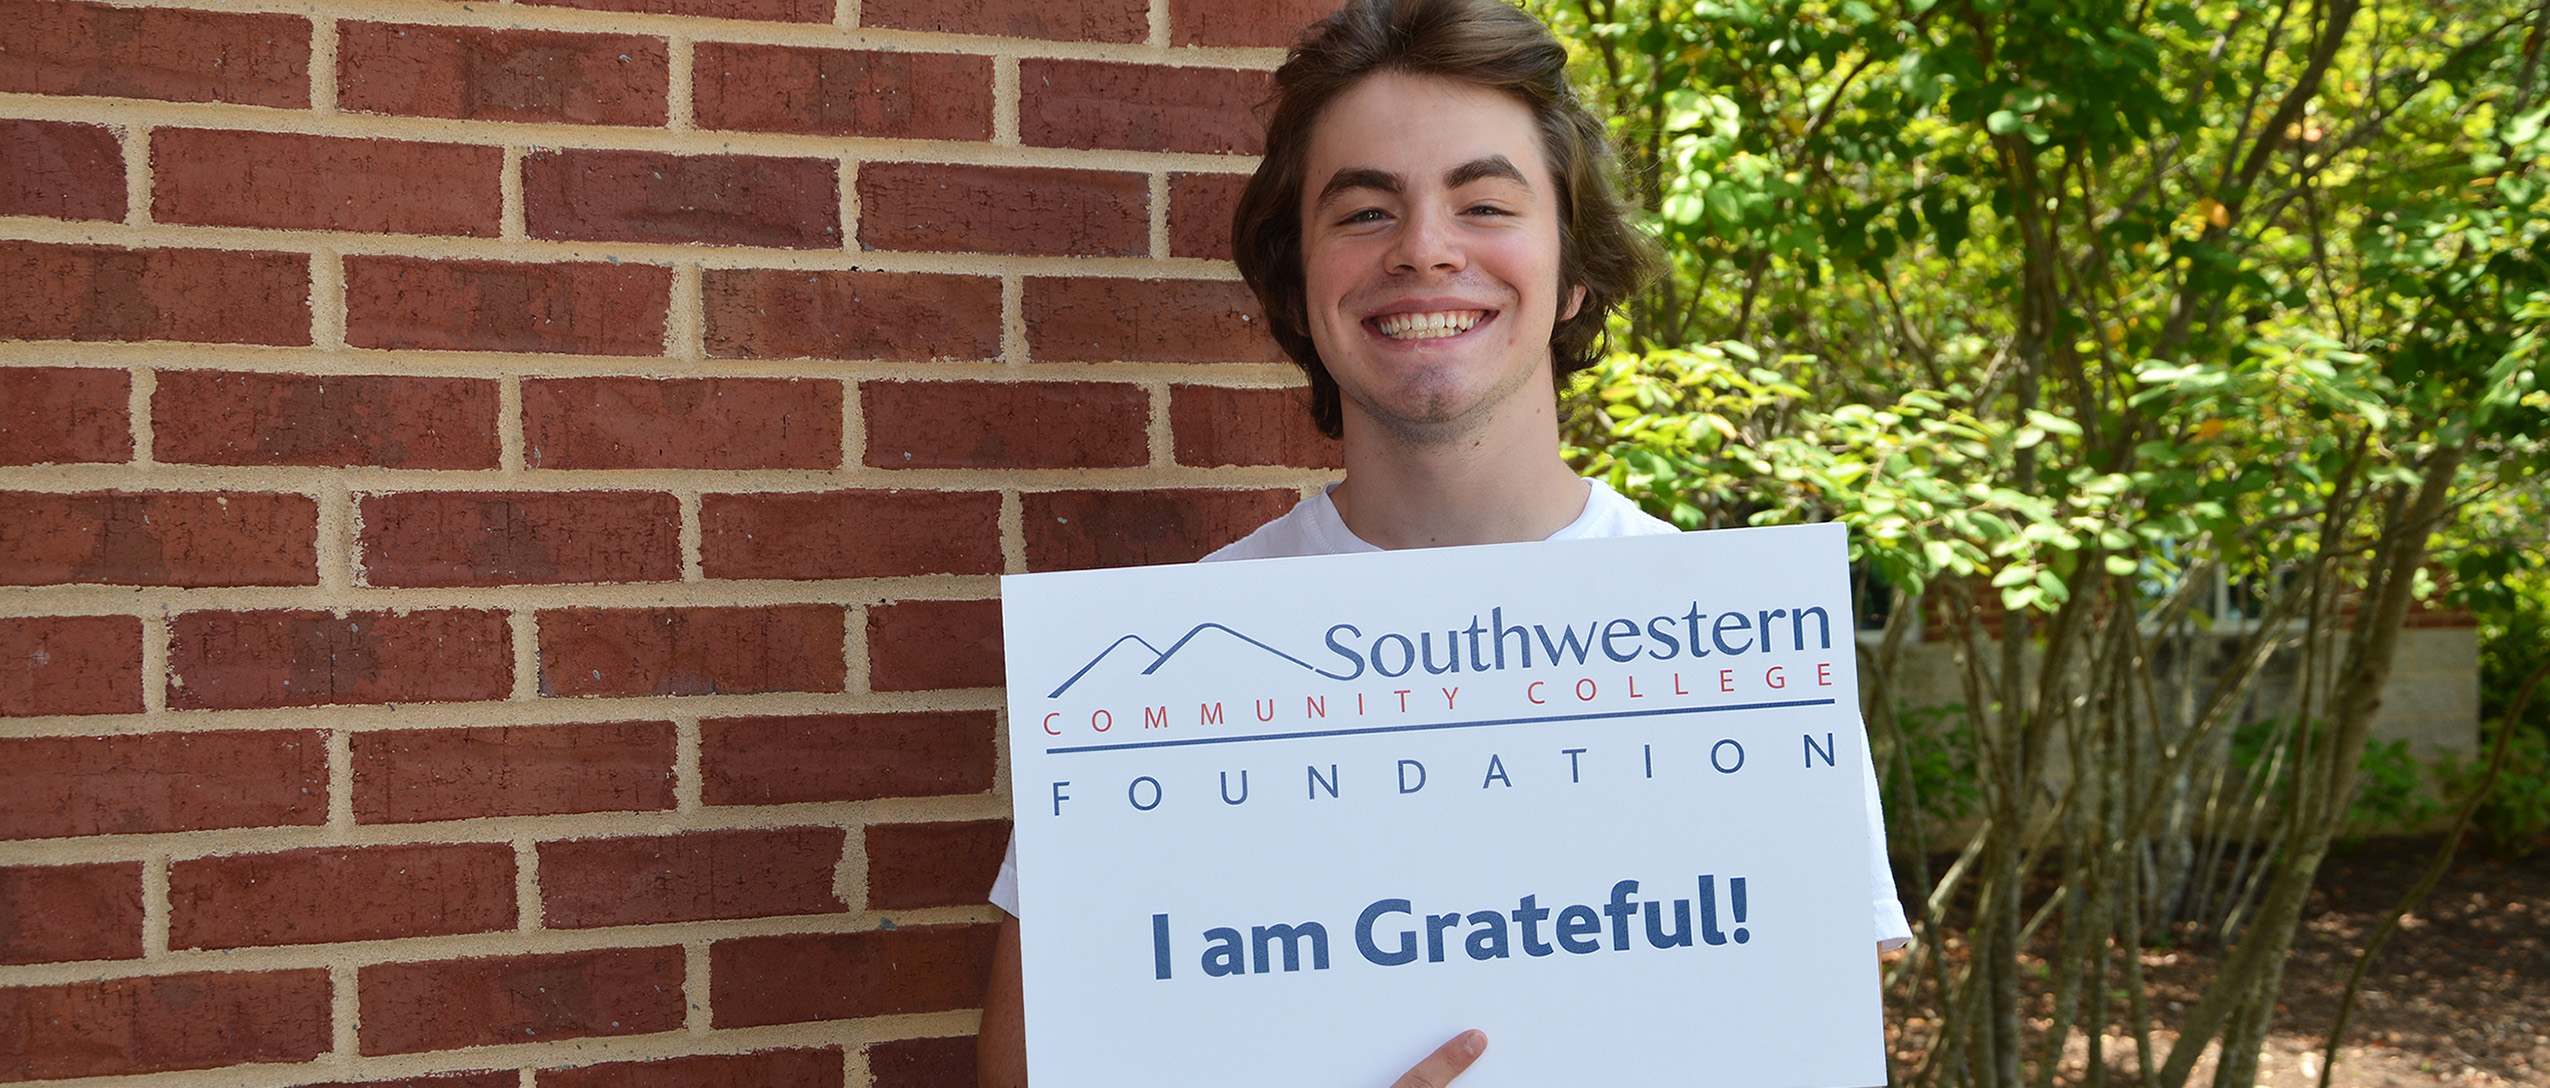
{"x":1364,"y":215}
{"x":1486,"y":209}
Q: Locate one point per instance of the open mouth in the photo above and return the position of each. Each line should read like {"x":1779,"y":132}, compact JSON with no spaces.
{"x":1433,"y":325}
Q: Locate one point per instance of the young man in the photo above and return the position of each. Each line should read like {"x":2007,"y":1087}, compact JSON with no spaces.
{"x":1434,"y":241}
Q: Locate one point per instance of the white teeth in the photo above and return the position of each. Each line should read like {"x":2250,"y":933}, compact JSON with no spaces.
{"x":1428,"y":326}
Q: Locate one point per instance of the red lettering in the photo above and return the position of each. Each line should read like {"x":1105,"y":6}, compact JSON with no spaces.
{"x":1775,"y":678}
{"x":1527,"y":693}
{"x":1677,"y":685}
{"x":1726,"y":679}
{"x":1049,"y":724}
{"x":1448,"y":693}
{"x":1633,"y":688}
{"x":1585,"y":690}
{"x":1095,"y":716}
{"x":1824,"y":674}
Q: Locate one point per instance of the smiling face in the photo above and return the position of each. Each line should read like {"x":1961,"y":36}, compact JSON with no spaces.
{"x":1430,"y":257}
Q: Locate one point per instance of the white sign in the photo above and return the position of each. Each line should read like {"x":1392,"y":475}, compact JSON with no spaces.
{"x":1295,"y":822}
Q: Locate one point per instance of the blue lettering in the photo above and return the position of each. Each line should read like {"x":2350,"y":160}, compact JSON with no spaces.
{"x":1407,"y":952}
{"x":1222,"y":954}
{"x":1573,"y":925}
{"x":1567,"y":641}
{"x":1407,"y":655}
{"x":1344,"y":651}
{"x":1316,"y":782}
{"x":1488,"y":941}
{"x":1731,"y":621}
{"x":1823,"y":626}
{"x":1619,"y":629}
{"x":1661,"y":630}
{"x":1262,"y":937}
{"x":1522,"y":637}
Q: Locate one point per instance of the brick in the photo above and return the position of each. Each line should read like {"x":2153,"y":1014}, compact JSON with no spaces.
{"x":849,"y":534}
{"x":1267,"y":23}
{"x":70,"y":665}
{"x":707,"y":423}
{"x":1074,"y":530}
{"x":757,"y":313}
{"x":56,"y":787}
{"x":817,"y":1068}
{"x":923,"y":1063}
{"x":445,"y":1004}
{"x":791,"y":759}
{"x":72,"y":292}
{"x":1052,"y":20}
{"x":211,"y":417}
{"x":231,"y":538}
{"x":928,"y":645}
{"x":689,"y":877}
{"x":1200,"y":210}
{"x":784,"y":11}
{"x":198,"y":1020}
{"x":61,"y":415}
{"x":59,"y":913}
{"x":647,"y":196}
{"x":296,"y":182}
{"x":1140,"y":107}
{"x":489,"y":1078}
{"x":842,"y":92}
{"x":1006,"y":424}
{"x":404,"y":776}
{"x":231,"y":660}
{"x":476,"y":74}
{"x":1214,"y":425}
{"x":841,"y":976}
{"x":933,"y":865}
{"x":690,"y":651}
{"x":583,"y":307}
{"x":476,"y":538}
{"x":330,"y":894}
{"x":54,"y":47}
{"x":60,"y":170}
{"x":934,"y":207}
{"x":1098,"y":320}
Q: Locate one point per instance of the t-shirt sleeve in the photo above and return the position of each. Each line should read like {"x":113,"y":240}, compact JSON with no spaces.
{"x":1005,"y":886}
{"x":1892,"y":929}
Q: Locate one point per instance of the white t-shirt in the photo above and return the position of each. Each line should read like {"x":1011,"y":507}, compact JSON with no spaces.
{"x":1312,"y":527}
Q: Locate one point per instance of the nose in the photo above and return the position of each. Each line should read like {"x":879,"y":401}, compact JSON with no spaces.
{"x":1427,"y":242}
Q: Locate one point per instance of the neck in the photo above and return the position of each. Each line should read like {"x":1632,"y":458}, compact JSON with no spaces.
{"x":1499,"y":483}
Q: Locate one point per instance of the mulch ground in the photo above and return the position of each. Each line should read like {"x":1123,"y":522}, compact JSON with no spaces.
{"x":2460,"y":996}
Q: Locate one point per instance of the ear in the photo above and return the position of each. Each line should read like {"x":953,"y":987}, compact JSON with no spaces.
{"x":1575,"y":302}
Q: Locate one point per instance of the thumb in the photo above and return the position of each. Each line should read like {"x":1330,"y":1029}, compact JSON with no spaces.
{"x":1447,"y":1061}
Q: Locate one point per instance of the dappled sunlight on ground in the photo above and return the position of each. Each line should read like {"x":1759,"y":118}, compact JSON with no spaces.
{"x":2460,"y":996}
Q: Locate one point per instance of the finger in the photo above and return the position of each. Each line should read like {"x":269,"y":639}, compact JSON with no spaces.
{"x":1446,"y":1062}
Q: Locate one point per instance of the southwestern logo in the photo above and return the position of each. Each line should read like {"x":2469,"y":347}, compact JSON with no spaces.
{"x":1482,"y":645}
{"x":1161,"y":657}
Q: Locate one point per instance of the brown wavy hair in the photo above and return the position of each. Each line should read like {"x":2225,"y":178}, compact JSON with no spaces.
{"x":1485,"y":43}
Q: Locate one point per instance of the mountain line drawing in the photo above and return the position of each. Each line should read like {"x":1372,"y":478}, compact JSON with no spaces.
{"x":1161,"y":657}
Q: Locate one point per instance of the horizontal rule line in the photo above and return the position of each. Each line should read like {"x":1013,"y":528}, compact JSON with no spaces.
{"x":1373,"y":729}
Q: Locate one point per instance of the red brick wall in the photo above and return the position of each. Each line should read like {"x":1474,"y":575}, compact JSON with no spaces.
{"x":501,"y":508}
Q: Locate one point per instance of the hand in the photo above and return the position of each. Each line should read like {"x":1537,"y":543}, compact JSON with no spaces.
{"x":1446,"y":1062}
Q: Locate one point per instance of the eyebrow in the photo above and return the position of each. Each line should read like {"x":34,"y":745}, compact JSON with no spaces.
{"x":1481,"y":169}
{"x":1365,"y":177}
